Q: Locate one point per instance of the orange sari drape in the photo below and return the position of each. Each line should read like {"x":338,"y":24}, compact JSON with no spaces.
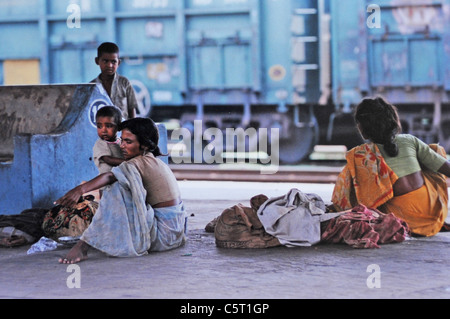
{"x":368,"y":180}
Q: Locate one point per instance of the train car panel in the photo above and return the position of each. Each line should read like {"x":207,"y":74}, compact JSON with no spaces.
{"x":29,"y":44}
{"x":348,"y":52}
{"x":19,"y":10}
{"x":219,"y":59}
{"x":408,"y":33}
{"x":144,"y":6}
{"x":85,"y":7}
{"x":139,"y":36}
{"x":276,"y":65}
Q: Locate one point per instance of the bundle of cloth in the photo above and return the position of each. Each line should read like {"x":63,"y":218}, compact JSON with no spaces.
{"x":301,"y":219}
{"x":21,"y":229}
{"x":362,"y":227}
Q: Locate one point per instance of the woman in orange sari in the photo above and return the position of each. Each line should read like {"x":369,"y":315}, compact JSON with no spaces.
{"x":395,"y":173}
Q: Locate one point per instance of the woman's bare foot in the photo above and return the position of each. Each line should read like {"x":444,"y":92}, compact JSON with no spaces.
{"x":77,"y":254}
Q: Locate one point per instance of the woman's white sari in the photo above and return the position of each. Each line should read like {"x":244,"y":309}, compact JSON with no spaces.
{"x":126,"y":226}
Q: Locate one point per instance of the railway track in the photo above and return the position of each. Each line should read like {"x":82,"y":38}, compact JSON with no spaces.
{"x":251,"y":173}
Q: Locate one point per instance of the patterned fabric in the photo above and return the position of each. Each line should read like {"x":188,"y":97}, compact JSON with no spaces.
{"x":126,"y":226}
{"x":366,"y":180}
{"x":62,"y":221}
{"x":364,"y":228}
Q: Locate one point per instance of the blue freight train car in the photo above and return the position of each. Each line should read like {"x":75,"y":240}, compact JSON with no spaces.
{"x":400,"y":50}
{"x":296,"y":65}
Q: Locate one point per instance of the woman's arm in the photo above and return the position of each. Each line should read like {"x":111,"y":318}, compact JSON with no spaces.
{"x":73,"y":196}
{"x":445,"y":169}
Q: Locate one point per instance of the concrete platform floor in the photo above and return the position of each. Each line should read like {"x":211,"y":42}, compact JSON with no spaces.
{"x":414,"y":269}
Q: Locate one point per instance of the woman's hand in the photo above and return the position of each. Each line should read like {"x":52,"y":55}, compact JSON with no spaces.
{"x":71,"y":199}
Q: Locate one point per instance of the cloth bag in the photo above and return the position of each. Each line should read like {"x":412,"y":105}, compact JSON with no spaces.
{"x":239,"y":227}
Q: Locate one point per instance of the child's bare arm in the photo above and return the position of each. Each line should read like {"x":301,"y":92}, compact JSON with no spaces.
{"x":112,"y":161}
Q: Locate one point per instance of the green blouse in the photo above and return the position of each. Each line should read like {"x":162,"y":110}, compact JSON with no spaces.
{"x":412,"y":154}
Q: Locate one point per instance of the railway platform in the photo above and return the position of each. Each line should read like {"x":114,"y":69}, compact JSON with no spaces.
{"x":200,"y":272}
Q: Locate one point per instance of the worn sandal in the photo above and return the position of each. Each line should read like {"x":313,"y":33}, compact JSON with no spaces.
{"x":13,"y":241}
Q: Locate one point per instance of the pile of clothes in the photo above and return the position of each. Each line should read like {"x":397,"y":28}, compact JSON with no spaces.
{"x":24,"y":228}
{"x":32,"y":224}
{"x":299,"y":219}
{"x":362,"y":227}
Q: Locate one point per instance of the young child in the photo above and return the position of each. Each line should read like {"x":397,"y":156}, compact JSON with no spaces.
{"x":107,"y":152}
{"x":118,"y":87}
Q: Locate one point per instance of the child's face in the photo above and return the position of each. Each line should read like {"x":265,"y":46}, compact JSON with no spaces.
{"x":108,"y":62}
{"x":106,"y":128}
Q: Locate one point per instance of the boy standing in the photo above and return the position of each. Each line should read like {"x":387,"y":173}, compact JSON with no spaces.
{"x":118,"y":87}
{"x":107,"y":152}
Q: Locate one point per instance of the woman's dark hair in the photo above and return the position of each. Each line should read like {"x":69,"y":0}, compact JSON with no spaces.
{"x":146,"y":132}
{"x":379,"y":122}
{"x":110,"y":111}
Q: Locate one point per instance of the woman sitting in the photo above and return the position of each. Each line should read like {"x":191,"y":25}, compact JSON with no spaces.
{"x":140,"y":210}
{"x":396,"y":173}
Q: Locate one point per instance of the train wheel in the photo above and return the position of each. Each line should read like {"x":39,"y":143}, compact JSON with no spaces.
{"x":143,"y":98}
{"x":300,"y":144}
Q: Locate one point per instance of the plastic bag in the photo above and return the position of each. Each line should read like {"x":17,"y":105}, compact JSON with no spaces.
{"x":44,"y":244}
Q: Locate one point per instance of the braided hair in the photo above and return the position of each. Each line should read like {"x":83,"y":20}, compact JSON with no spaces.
{"x":379,"y":122}
{"x":146,"y":132}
